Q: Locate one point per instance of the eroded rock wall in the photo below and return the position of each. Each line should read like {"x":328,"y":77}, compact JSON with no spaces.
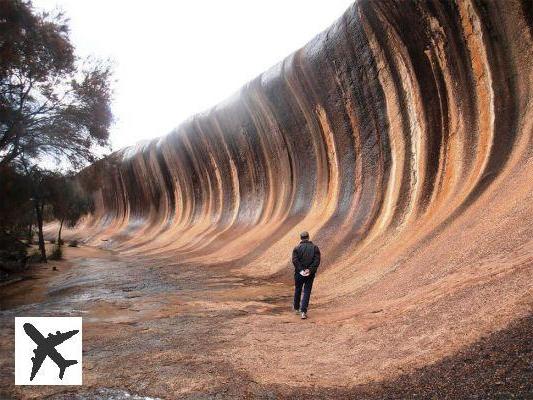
{"x":376,"y":137}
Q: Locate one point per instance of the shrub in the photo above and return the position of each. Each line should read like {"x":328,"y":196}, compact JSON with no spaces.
{"x":57,"y":253}
{"x":52,"y":241}
{"x":73,"y":243}
{"x":13,"y":253}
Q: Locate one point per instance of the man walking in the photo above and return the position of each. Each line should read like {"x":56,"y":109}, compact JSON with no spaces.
{"x":306,"y":259}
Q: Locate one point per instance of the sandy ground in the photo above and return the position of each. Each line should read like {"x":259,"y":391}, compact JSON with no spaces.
{"x":185,"y":332}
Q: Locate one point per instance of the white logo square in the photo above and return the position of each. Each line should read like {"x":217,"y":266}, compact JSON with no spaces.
{"x":48,"y":350}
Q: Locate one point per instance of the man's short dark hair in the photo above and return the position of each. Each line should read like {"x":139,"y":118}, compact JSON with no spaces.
{"x":304,"y":235}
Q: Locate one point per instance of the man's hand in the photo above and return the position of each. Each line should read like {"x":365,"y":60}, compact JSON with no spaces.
{"x":305,"y":272}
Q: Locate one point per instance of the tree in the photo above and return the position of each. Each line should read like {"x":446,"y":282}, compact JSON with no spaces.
{"x":15,"y":197}
{"x":40,"y":183}
{"x":69,"y":202}
{"x":52,"y":104}
{"x":15,"y":215}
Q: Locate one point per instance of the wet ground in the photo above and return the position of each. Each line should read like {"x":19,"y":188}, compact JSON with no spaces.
{"x":141,"y":332}
{"x":153,"y":331}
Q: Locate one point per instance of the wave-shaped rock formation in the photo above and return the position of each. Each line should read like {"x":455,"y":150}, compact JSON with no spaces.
{"x":400,"y":137}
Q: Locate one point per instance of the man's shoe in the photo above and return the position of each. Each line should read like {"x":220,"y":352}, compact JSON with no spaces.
{"x":304,"y":315}
{"x":296,"y":311}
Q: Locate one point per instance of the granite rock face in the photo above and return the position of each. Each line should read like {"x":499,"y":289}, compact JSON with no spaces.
{"x":377,"y":137}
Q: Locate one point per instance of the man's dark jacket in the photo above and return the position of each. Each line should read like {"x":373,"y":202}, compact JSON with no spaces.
{"x":306,"y":256}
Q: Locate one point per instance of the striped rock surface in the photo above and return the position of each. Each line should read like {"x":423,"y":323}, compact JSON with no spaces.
{"x":400,"y":138}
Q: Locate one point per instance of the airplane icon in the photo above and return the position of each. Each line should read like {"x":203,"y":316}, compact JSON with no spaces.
{"x":46,"y":347}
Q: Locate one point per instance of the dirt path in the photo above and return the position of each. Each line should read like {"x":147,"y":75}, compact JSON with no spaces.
{"x":189,"y":332}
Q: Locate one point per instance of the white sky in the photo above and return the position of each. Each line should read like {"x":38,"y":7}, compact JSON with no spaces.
{"x":175,"y":58}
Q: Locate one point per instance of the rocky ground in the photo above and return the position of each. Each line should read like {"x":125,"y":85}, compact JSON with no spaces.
{"x":150,"y":330}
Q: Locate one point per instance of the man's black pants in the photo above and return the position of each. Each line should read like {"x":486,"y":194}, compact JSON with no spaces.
{"x":305,"y":282}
